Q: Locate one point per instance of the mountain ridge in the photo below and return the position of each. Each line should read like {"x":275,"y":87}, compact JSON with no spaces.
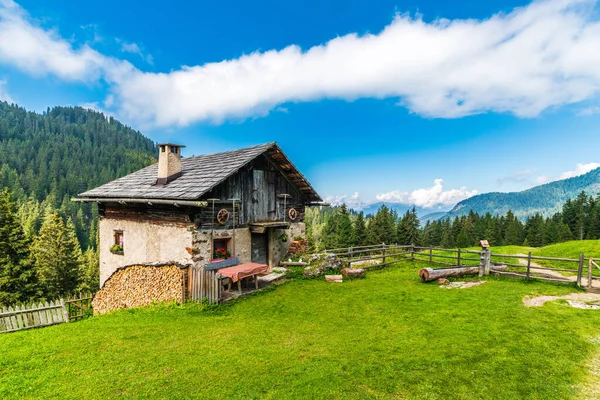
{"x":545,"y":199}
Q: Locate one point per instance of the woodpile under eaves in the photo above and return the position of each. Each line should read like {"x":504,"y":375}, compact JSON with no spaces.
{"x":141,"y":285}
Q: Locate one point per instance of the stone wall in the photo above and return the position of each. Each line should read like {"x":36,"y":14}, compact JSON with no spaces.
{"x":203,"y":239}
{"x":140,"y":285}
{"x":143,"y":242}
{"x":277,"y":248}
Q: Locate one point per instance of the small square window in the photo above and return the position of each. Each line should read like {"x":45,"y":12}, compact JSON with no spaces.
{"x":119,"y":238}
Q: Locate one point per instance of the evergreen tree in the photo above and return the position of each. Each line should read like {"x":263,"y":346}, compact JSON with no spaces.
{"x":382,"y":228}
{"x":408,"y":228}
{"x":17,"y":276}
{"x":360,"y":230}
{"x":57,"y":256}
{"x":90,"y":271}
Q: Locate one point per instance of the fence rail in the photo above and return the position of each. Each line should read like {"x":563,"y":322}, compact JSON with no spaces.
{"x":35,"y":315}
{"x":389,"y":254}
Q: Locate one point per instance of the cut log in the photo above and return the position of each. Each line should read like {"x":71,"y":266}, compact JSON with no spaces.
{"x":293,"y":264}
{"x":334,"y":278}
{"x":430,"y":274}
{"x":353,"y":272}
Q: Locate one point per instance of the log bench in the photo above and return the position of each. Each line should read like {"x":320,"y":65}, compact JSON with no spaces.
{"x":232,"y":271}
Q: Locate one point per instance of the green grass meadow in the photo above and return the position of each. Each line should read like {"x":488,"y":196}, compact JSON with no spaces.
{"x":387,"y":336}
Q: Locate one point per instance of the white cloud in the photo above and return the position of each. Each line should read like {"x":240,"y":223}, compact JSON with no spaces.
{"x":134,"y":48}
{"x":4,"y":96}
{"x":536,"y":57}
{"x":353,"y":201}
{"x":542,"y":179}
{"x":588,"y":111}
{"x":580,"y":169}
{"x":429,"y":197}
{"x":40,"y":52}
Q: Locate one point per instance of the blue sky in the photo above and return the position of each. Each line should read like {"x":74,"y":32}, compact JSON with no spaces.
{"x":421,"y":102}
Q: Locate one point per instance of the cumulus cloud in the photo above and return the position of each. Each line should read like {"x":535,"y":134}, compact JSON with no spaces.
{"x":580,"y":169}
{"x":353,"y":201}
{"x":134,"y":48}
{"x":41,"y":52}
{"x":429,"y":197}
{"x":536,"y":57}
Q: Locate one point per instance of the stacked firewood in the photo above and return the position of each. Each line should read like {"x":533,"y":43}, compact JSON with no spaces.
{"x":298,"y":247}
{"x":140,"y":285}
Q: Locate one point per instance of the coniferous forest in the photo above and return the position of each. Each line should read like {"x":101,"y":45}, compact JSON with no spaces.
{"x":48,"y":243}
{"x":339,"y":227}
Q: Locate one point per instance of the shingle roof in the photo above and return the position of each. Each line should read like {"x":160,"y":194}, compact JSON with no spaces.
{"x":200,"y":174}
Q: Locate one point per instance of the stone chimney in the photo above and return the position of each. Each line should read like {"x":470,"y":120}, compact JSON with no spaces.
{"x":169,"y":163}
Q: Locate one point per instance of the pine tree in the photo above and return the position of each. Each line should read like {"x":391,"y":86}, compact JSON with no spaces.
{"x":408,"y":228}
{"x":382,"y":228}
{"x":90,"y":271}
{"x":360,"y":230}
{"x":57,"y":256}
{"x":345,"y":231}
{"x":17,"y":276}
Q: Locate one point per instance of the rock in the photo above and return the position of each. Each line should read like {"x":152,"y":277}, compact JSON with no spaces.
{"x":353,"y":272}
{"x":334,"y":278}
{"x":443,"y":281}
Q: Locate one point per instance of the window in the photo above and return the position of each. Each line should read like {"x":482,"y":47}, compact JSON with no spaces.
{"x":162,"y":148}
{"x":173,"y":149}
{"x":221,"y":249}
{"x":119,"y":238}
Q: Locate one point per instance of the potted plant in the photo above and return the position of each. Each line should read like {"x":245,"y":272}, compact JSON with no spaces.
{"x":221,"y":254}
{"x":116,"y":249}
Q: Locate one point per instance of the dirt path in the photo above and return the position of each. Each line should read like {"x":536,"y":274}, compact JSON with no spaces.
{"x":575,"y":297}
{"x":538,"y":269}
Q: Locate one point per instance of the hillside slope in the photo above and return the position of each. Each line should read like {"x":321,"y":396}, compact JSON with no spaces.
{"x":545,"y":199}
{"x":53,"y":156}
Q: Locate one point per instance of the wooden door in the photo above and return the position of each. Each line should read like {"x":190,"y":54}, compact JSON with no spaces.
{"x":260,"y":248}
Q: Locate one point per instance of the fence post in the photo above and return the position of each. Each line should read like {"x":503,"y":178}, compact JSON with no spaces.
{"x":458,"y":259}
{"x":484,"y":262}
{"x":63,"y":308}
{"x":580,"y":269}
{"x":528,"y":265}
{"x":430,"y":254}
{"x":589,"y":282}
{"x":412,"y":252}
{"x":349,"y":257}
{"x":383,"y":253}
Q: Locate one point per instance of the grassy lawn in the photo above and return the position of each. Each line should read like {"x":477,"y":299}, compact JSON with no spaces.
{"x":387,"y":336}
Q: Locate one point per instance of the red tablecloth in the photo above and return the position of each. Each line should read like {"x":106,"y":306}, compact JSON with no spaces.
{"x":241,"y":271}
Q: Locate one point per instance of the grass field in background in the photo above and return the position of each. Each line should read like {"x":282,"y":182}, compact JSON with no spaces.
{"x":387,"y":336}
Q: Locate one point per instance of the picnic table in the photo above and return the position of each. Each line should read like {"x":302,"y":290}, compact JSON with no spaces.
{"x":238,"y":272}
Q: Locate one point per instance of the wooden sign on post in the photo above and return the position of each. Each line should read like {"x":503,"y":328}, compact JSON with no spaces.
{"x":484,"y":243}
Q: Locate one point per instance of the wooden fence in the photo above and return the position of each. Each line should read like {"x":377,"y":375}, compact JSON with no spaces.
{"x":35,"y":315}
{"x":387,"y":253}
{"x":204,"y":285}
{"x":529,"y":269}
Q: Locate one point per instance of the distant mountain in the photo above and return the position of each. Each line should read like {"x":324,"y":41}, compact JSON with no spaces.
{"x":400,"y":209}
{"x":432,"y":217}
{"x":545,"y":199}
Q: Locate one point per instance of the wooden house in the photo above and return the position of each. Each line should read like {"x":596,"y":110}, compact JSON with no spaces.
{"x":249,"y":202}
